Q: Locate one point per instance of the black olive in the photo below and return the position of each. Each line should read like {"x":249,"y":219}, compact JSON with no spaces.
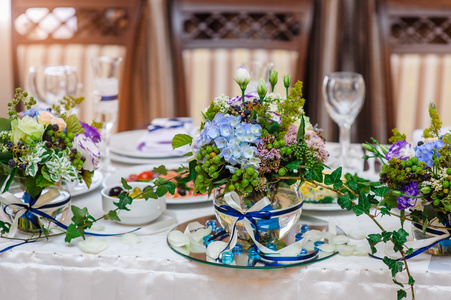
{"x":114,"y":192}
{"x":182,"y":192}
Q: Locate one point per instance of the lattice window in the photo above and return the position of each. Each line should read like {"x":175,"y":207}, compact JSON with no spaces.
{"x":65,"y":22}
{"x":256,"y":26}
{"x":421,"y":30}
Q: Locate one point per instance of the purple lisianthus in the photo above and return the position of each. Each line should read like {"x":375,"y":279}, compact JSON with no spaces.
{"x":91,"y":132}
{"x":401,"y":149}
{"x":426,"y":151}
{"x":410,"y":189}
{"x":86,"y":147}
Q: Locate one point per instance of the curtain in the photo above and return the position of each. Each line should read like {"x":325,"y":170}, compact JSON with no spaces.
{"x":6,"y":82}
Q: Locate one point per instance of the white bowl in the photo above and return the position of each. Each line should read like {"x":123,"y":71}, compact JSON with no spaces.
{"x":141,"y":211}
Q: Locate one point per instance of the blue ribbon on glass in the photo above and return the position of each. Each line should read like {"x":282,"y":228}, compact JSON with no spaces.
{"x":252,"y":216}
{"x":108,"y":98}
{"x":176,"y":123}
{"x":422,"y":249}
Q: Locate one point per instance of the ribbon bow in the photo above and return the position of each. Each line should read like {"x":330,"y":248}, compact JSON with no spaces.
{"x":249,"y":217}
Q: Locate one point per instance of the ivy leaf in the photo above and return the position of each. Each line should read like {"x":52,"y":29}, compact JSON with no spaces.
{"x":385,"y":211}
{"x":125,"y":184}
{"x":345,"y":202}
{"x":363,"y":206}
{"x":411,"y":280}
{"x":161,"y":190}
{"x":373,"y":239}
{"x":315,"y":174}
{"x":124,"y":200}
{"x":4,"y":227}
{"x":386,"y":235}
{"x":71,"y":233}
{"x":32,"y":188}
{"x":352,"y":184}
{"x":79,"y":215}
{"x":380,"y":191}
{"x":161,"y":170}
{"x":149,"y":193}
{"x":294,"y":165}
{"x":273,"y":127}
{"x":5,"y":124}
{"x":112,"y":215}
{"x":393,"y":265}
{"x":372,"y":199}
{"x":42,"y":182}
{"x":334,"y":179}
{"x":399,"y":238}
{"x":398,"y":283}
{"x":401,"y":294}
{"x":170,"y":186}
{"x":192,"y":173}
{"x":180,"y":140}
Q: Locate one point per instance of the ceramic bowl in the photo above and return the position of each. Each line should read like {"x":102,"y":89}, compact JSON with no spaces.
{"x":142,"y":211}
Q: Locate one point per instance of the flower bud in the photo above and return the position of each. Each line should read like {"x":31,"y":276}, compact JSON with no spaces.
{"x":286,"y":81}
{"x":261,"y":88}
{"x":242,"y":77}
{"x":273,"y":77}
{"x":367,"y":147}
{"x":425,"y":190}
{"x":384,"y":149}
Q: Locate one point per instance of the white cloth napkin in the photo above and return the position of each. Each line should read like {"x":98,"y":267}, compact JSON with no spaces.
{"x":159,"y":135}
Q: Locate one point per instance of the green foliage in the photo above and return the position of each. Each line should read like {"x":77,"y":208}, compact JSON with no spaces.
{"x":112,"y":215}
{"x":125,"y":184}
{"x":394,"y":266}
{"x":5,"y":124}
{"x":273,"y":127}
{"x":66,"y":104}
{"x":87,"y":177}
{"x":436,"y":124}
{"x":161,"y":170}
{"x":373,"y":239}
{"x":97,"y":125}
{"x":345,"y":202}
{"x":4,"y":227}
{"x":301,"y":130}
{"x":180,"y":140}
{"x":334,"y":179}
{"x":397,"y":136}
{"x":363,"y":206}
{"x":124,"y":200}
{"x":401,"y":294}
{"x":80,"y":221}
{"x":73,"y":125}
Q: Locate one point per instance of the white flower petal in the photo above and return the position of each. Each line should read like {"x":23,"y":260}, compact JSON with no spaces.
{"x":177,"y":238}
{"x":215,"y":248}
{"x":182,"y":250}
{"x":340,"y":240}
{"x":327,"y":248}
{"x":130,"y":239}
{"x":361,"y":251}
{"x":346,"y":250}
{"x":200,"y":233}
{"x":357,"y":235}
{"x":93,"y":245}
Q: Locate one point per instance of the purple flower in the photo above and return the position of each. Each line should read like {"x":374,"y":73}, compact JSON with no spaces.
{"x":401,"y":149}
{"x":91,"y":132}
{"x":426,"y":151}
{"x":410,"y":189}
{"x":86,"y":147}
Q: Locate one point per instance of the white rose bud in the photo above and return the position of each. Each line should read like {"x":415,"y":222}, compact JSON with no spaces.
{"x":242,"y":77}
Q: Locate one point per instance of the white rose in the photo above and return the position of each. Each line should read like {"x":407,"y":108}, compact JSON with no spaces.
{"x":242,"y":77}
{"x":87,"y":149}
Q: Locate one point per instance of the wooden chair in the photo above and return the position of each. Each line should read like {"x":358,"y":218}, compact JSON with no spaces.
{"x":416,"y":48}
{"x":53,"y":31}
{"x":217,"y":28}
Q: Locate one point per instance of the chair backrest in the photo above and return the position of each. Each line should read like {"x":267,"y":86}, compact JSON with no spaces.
{"x":416,"y":43}
{"x":71,"y":32}
{"x":214,"y":37}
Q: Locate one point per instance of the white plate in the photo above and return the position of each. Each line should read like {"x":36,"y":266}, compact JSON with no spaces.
{"x":115,"y":178}
{"x":77,"y":189}
{"x":126,"y":143}
{"x":322,"y":206}
{"x":139,"y":161}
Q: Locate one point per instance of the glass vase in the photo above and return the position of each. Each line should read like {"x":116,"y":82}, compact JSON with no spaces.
{"x":283,"y":198}
{"x":56,"y":207}
{"x":442,"y":248}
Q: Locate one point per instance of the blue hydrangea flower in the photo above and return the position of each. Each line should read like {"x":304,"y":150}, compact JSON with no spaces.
{"x":410,"y":189}
{"x":426,"y":151}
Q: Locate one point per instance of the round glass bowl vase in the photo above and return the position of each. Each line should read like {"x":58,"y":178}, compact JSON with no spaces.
{"x":283,"y":198}
{"x":442,"y":248}
{"x":55,"y":206}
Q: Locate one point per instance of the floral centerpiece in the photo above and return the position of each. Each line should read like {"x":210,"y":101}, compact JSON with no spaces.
{"x":39,"y":149}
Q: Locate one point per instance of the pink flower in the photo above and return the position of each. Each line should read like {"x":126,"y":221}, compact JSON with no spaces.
{"x":290,"y":137}
{"x":317,"y":145}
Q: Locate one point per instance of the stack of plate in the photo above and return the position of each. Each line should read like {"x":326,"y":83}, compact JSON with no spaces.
{"x":124,"y":149}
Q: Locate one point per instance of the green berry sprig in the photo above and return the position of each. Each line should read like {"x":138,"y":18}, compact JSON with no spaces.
{"x":20,"y":96}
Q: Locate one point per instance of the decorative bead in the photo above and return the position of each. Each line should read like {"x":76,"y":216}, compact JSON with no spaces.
{"x":304,"y":228}
{"x":298,"y":237}
{"x":219,"y":229}
{"x":227,"y":257}
{"x":237,"y":249}
{"x":211,"y":223}
{"x":253,"y":254}
{"x":207,"y":239}
{"x":318,"y":243}
{"x":303,"y":252}
{"x":272,"y":246}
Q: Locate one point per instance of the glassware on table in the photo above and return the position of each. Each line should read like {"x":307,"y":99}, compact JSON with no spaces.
{"x":50,"y":83}
{"x":258,"y":69}
{"x":106,"y":90}
{"x":343,"y":93}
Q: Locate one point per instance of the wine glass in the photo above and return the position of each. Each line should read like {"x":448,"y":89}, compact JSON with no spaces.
{"x":50,"y":83}
{"x":106,"y":90}
{"x":258,"y":69}
{"x":343,"y":93}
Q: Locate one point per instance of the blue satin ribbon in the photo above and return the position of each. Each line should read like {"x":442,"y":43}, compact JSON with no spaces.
{"x":159,"y":127}
{"x":420,"y":250}
{"x":13,"y":246}
{"x":108,"y":98}
{"x":262,"y":215}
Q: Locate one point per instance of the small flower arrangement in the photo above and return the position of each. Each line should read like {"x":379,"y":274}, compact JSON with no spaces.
{"x":42,"y":147}
{"x":250,"y":141}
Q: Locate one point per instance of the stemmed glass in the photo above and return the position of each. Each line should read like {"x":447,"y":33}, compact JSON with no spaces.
{"x":258,"y":69}
{"x":344,"y":96}
{"x":106,"y":90}
{"x":50,"y":83}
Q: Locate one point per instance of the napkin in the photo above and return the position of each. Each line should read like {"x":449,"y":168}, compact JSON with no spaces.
{"x":159,"y":135}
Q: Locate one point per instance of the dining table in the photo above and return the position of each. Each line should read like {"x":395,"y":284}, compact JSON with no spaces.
{"x":53,"y":269}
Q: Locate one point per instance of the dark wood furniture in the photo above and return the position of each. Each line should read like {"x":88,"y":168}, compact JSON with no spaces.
{"x":414,"y":26}
{"x":100,"y":22}
{"x":265,"y":24}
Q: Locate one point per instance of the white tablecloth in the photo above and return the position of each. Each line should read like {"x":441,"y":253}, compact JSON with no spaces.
{"x":151,"y":270}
